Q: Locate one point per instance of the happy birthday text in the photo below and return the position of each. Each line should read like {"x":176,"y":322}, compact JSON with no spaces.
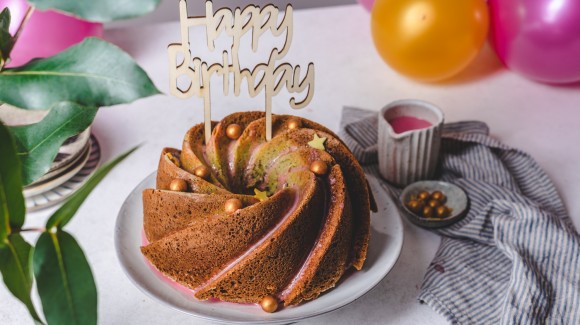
{"x":268,"y":77}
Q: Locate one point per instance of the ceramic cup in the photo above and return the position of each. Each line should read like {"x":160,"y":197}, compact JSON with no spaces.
{"x":410,"y":155}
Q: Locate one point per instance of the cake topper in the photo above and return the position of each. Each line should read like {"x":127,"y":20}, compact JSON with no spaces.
{"x":268,"y":77}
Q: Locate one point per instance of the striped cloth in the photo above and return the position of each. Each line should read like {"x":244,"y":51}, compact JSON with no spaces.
{"x":515,"y":258}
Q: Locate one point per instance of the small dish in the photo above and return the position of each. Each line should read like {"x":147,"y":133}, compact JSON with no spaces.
{"x":457,"y":202}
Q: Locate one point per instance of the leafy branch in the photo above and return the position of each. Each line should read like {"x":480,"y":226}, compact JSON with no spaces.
{"x":7,"y":41}
{"x":71,"y":86}
{"x":63,"y":276}
{"x":104,"y":76}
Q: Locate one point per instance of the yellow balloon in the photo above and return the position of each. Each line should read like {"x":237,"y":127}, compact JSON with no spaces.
{"x":429,"y":40}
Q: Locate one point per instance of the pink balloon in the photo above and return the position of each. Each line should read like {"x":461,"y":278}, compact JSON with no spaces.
{"x":539,"y":39}
{"x":46,"y":33}
{"x":368,"y":4}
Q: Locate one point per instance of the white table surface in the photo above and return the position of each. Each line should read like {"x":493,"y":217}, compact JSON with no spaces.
{"x":540,"y":119}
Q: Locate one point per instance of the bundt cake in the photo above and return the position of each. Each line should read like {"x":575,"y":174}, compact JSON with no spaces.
{"x":241,"y":219}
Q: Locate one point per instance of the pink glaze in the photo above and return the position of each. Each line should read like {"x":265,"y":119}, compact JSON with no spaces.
{"x":283,"y":178}
{"x":315,"y":248}
{"x":231,"y":154}
{"x":402,"y":124}
{"x":171,"y":282}
{"x":250,"y":165}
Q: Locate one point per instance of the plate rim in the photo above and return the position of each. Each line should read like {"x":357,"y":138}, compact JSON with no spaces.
{"x":88,"y":169}
{"x":126,"y":268}
{"x":59,"y":177}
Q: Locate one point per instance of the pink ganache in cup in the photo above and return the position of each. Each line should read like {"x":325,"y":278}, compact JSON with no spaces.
{"x":408,"y":123}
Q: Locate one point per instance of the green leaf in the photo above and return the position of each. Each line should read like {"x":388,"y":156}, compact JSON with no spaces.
{"x":12,"y":209}
{"x":65,"y":213}
{"x":101,"y":10}
{"x":15,"y":260}
{"x":93,"y":73}
{"x":38,"y":144}
{"x":64,"y":280}
{"x":5,"y":19}
{"x":6,"y":40}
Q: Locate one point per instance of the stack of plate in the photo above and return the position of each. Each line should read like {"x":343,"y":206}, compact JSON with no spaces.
{"x":71,"y":157}
{"x":76,"y":160}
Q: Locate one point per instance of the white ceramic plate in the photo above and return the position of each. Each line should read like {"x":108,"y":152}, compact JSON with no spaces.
{"x":70,"y":149}
{"x":52,"y":196}
{"x":384,"y":249}
{"x":59,"y":177}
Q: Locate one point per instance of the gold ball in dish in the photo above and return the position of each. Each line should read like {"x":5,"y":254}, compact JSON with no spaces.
{"x":233,"y":131}
{"x":294,"y":123}
{"x":233,"y":205}
{"x":178,"y":185}
{"x":415,"y":205}
{"x":319,"y":167}
{"x":201,"y":171}
{"x":442,"y":212}
{"x":427,"y":212}
{"x":433,"y":203}
{"x":423,"y":195}
{"x":439,"y":196}
{"x":269,"y":304}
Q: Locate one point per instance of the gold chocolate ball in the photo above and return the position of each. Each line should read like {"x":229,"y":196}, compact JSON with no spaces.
{"x":319,"y":167}
{"x":442,"y":211}
{"x":269,"y":304}
{"x":415,"y":205}
{"x":201,"y":171}
{"x":233,"y":205}
{"x":233,"y":131}
{"x":423,"y":195}
{"x":439,"y":196}
{"x":294,"y":123}
{"x":178,"y":185}
{"x":427,"y":212}
{"x":433,"y":203}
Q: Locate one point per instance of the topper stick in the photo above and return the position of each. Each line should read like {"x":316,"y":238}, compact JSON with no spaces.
{"x":268,"y":120}
{"x":207,"y":118}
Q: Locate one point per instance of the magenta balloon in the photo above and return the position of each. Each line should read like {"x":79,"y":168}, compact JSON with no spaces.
{"x":46,"y":33}
{"x":368,"y":4}
{"x":539,"y":39}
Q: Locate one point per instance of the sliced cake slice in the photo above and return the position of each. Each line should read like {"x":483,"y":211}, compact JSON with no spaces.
{"x":268,"y":266}
{"x":192,"y":255}
{"x":166,"y":212}
{"x":170,"y":169}
{"x":219,"y":151}
{"x":193,"y":153}
{"x":328,"y":259}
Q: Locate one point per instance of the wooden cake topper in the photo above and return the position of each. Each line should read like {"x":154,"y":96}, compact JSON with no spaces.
{"x":269,"y":77}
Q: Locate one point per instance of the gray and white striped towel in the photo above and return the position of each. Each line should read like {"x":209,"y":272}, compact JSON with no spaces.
{"x":515,"y":258}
